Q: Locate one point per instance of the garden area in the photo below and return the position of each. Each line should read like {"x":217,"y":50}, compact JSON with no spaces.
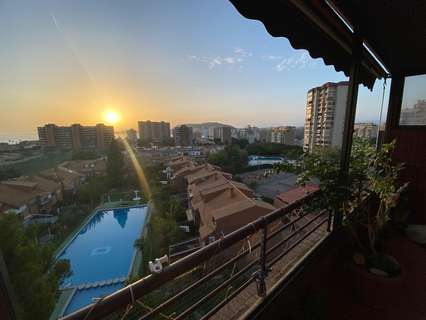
{"x":29,"y":251}
{"x":47,"y":160}
{"x":234,"y":157}
{"x":167,"y":213}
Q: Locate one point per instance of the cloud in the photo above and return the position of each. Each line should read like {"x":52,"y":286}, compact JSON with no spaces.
{"x":237,"y":57}
{"x":241,"y":52}
{"x":272,"y":57}
{"x":301,"y":61}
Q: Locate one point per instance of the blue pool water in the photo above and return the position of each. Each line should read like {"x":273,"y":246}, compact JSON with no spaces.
{"x":265,"y":158}
{"x":102,"y":251}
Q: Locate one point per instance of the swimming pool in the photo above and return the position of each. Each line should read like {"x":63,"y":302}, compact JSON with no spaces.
{"x":101,"y":254}
{"x":264,"y":160}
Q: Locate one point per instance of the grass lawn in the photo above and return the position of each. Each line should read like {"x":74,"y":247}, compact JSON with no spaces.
{"x":46,"y":161}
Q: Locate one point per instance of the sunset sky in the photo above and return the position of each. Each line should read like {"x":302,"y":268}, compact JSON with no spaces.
{"x":175,"y":60}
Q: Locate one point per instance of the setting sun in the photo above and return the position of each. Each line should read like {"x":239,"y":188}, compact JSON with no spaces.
{"x":111,"y":117}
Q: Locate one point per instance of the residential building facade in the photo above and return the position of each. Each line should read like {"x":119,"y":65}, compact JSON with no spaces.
{"x":283,"y":135}
{"x":222,"y":134}
{"x":249,"y":133}
{"x":132,"y":135}
{"x":365,"y":130}
{"x":415,"y":116}
{"x":29,"y":195}
{"x":265,"y":135}
{"x":76,"y":136}
{"x":183,"y":135}
{"x":154,"y":131}
{"x":217,"y":204}
{"x":325,"y":113}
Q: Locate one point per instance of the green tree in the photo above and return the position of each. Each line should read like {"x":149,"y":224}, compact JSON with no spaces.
{"x":372,"y":174}
{"x":34,"y":275}
{"x":144,"y":143}
{"x":91,"y":192}
{"x":85,"y":155}
{"x":232,"y":159}
{"x":115,"y":166}
{"x":275,"y":149}
{"x":242,"y":143}
{"x":9,"y":173}
{"x":167,"y":142}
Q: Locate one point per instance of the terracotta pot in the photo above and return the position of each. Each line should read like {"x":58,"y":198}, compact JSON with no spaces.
{"x":374,"y":289}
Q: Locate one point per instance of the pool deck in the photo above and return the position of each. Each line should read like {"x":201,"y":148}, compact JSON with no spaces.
{"x":66,"y":294}
{"x":137,"y":255}
{"x":62,"y":303}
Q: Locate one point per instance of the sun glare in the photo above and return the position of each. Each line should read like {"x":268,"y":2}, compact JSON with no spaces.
{"x":111,"y":117}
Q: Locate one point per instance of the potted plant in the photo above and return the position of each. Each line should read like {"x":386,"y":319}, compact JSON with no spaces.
{"x":364,"y":197}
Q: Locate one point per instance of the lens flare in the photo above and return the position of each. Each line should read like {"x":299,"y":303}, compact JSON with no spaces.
{"x":143,"y":183}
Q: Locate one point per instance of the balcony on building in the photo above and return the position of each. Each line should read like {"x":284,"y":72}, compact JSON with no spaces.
{"x":289,"y":264}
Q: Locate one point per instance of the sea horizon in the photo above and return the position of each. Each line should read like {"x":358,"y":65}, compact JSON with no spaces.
{"x":16,"y":137}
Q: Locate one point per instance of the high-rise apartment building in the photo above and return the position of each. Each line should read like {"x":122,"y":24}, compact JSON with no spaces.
{"x":154,"y":131}
{"x":325,"y":113}
{"x":283,"y":135}
{"x":365,"y":130}
{"x":76,"y":136}
{"x":223,"y":134}
{"x":183,"y":135}
{"x":249,"y":133}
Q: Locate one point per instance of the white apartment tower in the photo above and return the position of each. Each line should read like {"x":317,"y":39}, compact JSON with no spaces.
{"x":325,"y":114}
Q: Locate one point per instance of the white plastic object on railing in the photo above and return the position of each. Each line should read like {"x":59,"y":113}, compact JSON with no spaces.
{"x":157,"y":265}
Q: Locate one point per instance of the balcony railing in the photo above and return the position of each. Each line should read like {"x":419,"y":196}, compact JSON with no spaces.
{"x":223,"y":273}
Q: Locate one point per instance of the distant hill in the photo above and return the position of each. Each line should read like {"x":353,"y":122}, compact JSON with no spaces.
{"x":206,"y":125}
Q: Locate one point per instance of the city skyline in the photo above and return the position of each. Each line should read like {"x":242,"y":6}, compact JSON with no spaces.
{"x":86,"y":58}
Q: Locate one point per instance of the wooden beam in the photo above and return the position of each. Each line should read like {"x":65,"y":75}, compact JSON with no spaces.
{"x":394,"y":106}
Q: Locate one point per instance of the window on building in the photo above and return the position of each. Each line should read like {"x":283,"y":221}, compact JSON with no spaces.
{"x":413,"y":109}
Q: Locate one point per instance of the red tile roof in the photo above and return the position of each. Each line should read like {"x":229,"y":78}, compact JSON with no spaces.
{"x":295,"y":194}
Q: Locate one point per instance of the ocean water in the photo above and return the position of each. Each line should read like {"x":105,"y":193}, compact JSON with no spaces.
{"x":16,"y":137}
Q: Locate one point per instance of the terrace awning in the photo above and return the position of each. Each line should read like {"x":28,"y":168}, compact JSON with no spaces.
{"x":395,"y":30}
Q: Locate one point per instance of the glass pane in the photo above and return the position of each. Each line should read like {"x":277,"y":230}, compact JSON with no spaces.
{"x":413,"y":111}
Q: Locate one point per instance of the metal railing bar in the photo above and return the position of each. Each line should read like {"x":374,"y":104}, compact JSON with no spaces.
{"x":217,"y":307}
{"x":123,"y":297}
{"x":176,"y":254}
{"x":198,"y":282}
{"x":281,"y":242}
{"x":142,"y":305}
{"x":285,"y":226}
{"x":278,"y":257}
{"x":231,"y":261}
{"x":216,"y":290}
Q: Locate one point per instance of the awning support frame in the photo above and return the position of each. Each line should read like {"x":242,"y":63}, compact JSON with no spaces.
{"x":350,"y":117}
